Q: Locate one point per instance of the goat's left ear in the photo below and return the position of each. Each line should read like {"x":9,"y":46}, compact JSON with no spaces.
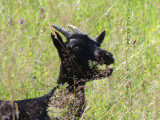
{"x":59,"y":44}
{"x":100,"y":38}
{"x":57,"y":40}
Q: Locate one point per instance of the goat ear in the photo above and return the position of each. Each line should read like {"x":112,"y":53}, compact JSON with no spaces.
{"x":58,"y":43}
{"x":100,"y":38}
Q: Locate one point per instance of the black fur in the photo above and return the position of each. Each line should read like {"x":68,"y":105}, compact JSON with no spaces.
{"x":75,"y":55}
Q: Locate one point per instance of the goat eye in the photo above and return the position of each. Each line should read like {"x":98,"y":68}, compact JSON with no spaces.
{"x":75,"y":49}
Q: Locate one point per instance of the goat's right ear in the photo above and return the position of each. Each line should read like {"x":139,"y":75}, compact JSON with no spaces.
{"x":100,"y":38}
{"x":58,"y":43}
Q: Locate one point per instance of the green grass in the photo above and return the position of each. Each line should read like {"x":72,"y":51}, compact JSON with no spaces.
{"x":30,"y":62}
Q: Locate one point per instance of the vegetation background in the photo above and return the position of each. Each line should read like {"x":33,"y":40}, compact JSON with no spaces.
{"x":29,"y":63}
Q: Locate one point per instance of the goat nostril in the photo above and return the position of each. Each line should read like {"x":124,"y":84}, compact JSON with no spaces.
{"x":109,"y":55}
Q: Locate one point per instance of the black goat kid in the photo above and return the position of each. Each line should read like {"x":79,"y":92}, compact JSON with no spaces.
{"x":80,"y":57}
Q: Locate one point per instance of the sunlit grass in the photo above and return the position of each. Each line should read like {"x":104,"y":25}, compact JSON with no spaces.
{"x":27,"y":49}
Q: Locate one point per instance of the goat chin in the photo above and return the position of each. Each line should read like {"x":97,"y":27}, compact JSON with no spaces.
{"x":67,"y":99}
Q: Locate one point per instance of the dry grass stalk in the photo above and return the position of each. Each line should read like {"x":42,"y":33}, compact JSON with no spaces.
{"x":17,"y":113}
{"x":155,"y":103}
{"x":52,"y":30}
{"x":10,"y":89}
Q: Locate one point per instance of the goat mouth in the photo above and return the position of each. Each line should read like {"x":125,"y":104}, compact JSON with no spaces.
{"x":102,"y":69}
{"x":105,"y":70}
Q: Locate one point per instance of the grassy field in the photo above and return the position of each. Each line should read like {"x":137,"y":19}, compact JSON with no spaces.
{"x":29,"y":63}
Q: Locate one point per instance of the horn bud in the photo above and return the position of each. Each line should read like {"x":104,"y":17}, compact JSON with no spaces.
{"x":75,"y":29}
{"x":64,"y":31}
